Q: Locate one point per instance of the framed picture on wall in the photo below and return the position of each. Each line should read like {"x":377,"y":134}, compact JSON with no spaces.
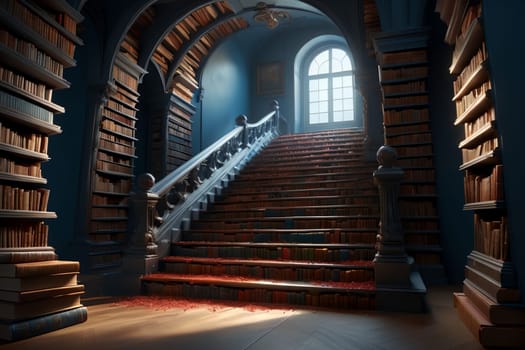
{"x":270,"y":79}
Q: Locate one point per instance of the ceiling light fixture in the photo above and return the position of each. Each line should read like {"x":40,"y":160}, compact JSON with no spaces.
{"x":269,"y":17}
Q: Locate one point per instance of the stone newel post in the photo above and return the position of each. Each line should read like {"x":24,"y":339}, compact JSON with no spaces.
{"x":392,"y":264}
{"x":140,"y":257}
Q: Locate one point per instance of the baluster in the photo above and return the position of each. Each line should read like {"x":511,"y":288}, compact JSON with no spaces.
{"x":242,"y":120}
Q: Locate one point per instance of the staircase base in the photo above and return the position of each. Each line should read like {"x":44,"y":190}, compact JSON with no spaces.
{"x":408,"y":299}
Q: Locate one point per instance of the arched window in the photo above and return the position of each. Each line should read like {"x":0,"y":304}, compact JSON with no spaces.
{"x":330,"y":84}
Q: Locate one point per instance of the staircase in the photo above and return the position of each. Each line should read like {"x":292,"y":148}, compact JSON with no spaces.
{"x":297,"y":226}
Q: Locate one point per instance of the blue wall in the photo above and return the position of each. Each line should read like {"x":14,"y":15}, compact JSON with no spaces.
{"x":281,"y":45}
{"x":225,"y":83}
{"x":456,"y":225}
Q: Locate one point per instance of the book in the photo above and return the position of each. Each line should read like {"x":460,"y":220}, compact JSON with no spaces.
{"x":43,"y":324}
{"x":26,"y":254}
{"x":39,"y":282}
{"x":20,"y":311}
{"x":36,"y":294}
{"x":38,"y":268}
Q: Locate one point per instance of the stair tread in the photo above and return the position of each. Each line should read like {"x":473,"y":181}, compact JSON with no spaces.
{"x":352,"y":264}
{"x":282,"y":230}
{"x":245,"y":282}
{"x":327,"y":206}
{"x":290,"y":217}
{"x":273,"y":244}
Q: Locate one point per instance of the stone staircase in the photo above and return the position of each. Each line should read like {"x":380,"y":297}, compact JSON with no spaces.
{"x":297,"y":227}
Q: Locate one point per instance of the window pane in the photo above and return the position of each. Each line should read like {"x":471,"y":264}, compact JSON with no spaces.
{"x":314,"y":107}
{"x":323,"y":107}
{"x":348,"y":92}
{"x":314,"y":85}
{"x":338,"y":105}
{"x":348,"y":103}
{"x":323,"y":117}
{"x":340,"y":61}
{"x":337,"y":82}
{"x":323,"y":84}
{"x":320,"y":64}
{"x":338,"y":93}
{"x":323,"y":95}
{"x":348,"y":115}
{"x":314,"y":96}
{"x":346,"y":80}
{"x":338,"y":116}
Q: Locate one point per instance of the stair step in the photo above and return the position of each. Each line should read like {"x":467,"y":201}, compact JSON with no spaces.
{"x":299,"y":193}
{"x":343,"y":295}
{"x":311,"y":222}
{"x":312,"y":154}
{"x":283,"y":159}
{"x":318,"y":176}
{"x":267,"y":186}
{"x":324,"y":167}
{"x":367,"y":236}
{"x":246,"y":212}
{"x":227,"y":202}
{"x":358,"y":271}
{"x":324,"y":133}
{"x":276,"y":251}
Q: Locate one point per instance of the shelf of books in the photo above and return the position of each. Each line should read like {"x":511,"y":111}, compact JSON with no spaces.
{"x":489,"y":284}
{"x":184,"y":48}
{"x":171,"y":136}
{"x":113,"y":168}
{"x":404,"y":77}
{"x":38,"y":292}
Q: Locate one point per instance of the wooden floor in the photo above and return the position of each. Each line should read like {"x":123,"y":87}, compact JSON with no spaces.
{"x":113,"y":325}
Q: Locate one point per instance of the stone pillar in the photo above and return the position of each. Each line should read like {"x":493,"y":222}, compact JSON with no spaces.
{"x":392,"y":264}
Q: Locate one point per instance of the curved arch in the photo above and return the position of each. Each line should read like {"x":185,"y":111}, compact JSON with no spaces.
{"x":170,"y":15}
{"x":128,"y":11}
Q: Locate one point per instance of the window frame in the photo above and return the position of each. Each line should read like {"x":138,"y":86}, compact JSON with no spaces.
{"x":309,"y":58}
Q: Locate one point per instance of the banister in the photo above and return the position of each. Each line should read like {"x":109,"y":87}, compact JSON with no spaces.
{"x":158,"y":211}
{"x":164,"y":185}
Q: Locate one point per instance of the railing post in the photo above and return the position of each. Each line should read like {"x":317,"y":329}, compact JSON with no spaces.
{"x":242,"y":120}
{"x":399,"y":284}
{"x":277,"y":117}
{"x":392,"y":264}
{"x":140,"y":256}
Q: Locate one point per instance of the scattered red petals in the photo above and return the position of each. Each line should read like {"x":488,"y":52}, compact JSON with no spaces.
{"x":159,"y":303}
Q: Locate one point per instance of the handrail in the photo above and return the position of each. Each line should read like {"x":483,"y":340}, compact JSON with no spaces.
{"x":158,"y":211}
{"x":167,"y":182}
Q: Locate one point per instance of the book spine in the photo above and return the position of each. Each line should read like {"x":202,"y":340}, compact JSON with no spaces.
{"x":29,"y":256}
{"x":44,"y":324}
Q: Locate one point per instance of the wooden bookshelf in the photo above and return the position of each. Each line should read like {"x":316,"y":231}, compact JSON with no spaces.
{"x":37,"y":42}
{"x":489,"y":282}
{"x":113,"y":173}
{"x":171,"y":128}
{"x":403,"y":77}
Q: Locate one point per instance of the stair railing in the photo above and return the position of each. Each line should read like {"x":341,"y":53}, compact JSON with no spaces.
{"x":159,"y":211}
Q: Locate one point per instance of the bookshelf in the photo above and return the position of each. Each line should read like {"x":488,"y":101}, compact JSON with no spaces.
{"x":112,"y":177}
{"x":171,"y":128}
{"x":37,"y":42}
{"x":489,"y":283}
{"x":403,"y":75}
